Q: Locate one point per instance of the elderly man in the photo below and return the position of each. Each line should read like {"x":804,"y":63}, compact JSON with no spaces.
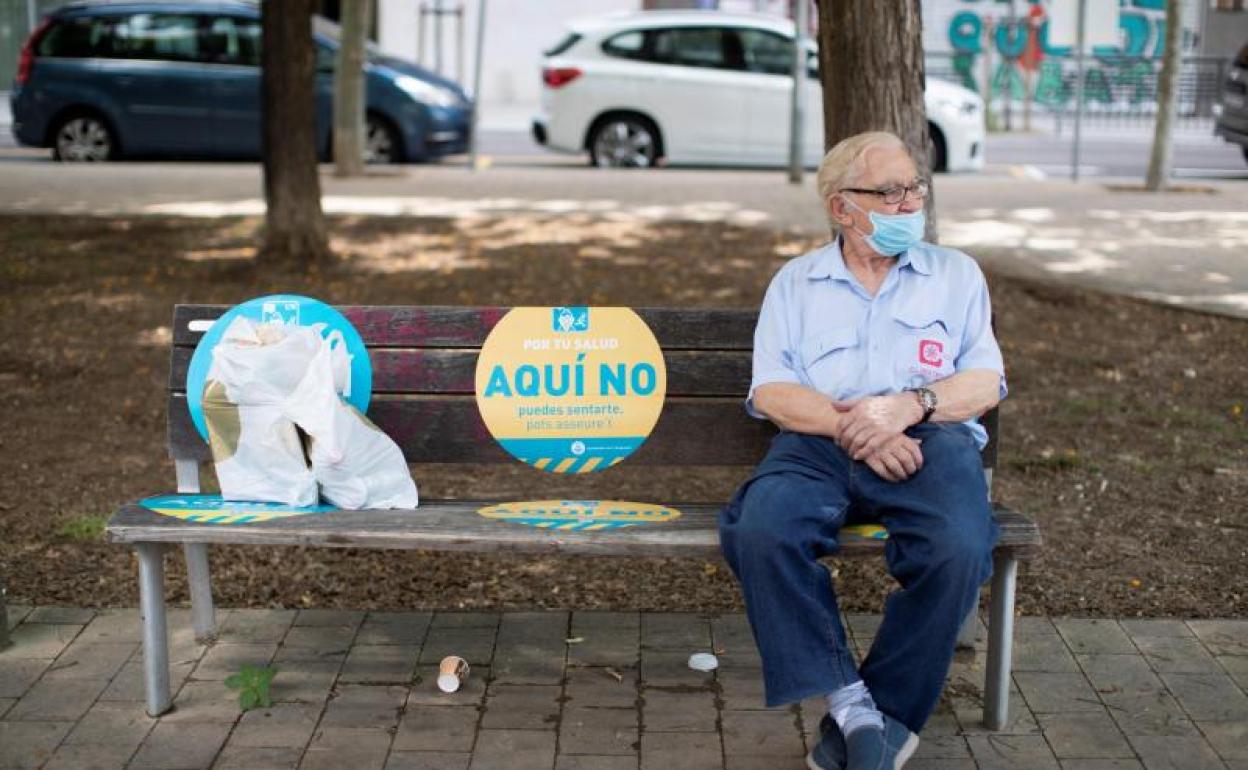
{"x":874,"y":355}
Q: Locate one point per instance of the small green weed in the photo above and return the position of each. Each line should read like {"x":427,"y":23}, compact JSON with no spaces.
{"x":83,"y":529}
{"x":252,"y":684}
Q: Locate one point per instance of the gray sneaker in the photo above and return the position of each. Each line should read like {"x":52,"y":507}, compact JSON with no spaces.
{"x":829,"y":752}
{"x":870,"y":749}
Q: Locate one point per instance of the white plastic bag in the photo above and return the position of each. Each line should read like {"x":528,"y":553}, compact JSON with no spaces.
{"x":255,"y":446}
{"x":356,"y":464}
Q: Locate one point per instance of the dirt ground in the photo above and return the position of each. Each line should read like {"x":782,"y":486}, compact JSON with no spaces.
{"x":1124,"y":434}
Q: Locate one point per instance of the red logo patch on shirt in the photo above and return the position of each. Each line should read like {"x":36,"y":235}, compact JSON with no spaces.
{"x":930,"y":352}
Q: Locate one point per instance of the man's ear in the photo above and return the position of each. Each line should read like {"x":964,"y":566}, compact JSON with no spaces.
{"x":838,"y":212}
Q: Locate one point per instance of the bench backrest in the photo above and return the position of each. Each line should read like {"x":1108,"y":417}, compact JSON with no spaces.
{"x":424,"y":363}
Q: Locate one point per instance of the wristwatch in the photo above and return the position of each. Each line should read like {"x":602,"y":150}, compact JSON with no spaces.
{"x":927,"y":400}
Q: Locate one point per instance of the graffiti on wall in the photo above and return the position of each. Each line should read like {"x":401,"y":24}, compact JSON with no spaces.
{"x":1024,"y":63}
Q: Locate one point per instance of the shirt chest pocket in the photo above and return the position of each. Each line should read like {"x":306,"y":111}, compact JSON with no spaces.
{"x":830,"y":362}
{"x":924,"y":349}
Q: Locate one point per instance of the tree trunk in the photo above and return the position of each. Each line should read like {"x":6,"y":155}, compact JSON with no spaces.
{"x":871,"y":66}
{"x":294,"y":224}
{"x":1161,"y":163}
{"x":349,"y":130}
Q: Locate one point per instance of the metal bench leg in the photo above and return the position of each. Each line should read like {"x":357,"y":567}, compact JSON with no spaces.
{"x":198,"y":574}
{"x":155,"y":630}
{"x":969,"y":632}
{"x":1000,"y":642}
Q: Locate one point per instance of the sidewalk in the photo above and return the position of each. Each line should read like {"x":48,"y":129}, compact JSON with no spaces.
{"x":587,"y":691}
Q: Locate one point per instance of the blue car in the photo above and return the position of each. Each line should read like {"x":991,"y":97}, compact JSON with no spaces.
{"x":103,"y":80}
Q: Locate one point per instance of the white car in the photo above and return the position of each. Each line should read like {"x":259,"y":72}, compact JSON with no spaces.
{"x":704,"y":87}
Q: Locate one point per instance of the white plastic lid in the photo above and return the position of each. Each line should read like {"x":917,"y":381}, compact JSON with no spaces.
{"x":703,"y":661}
{"x":448,"y":682}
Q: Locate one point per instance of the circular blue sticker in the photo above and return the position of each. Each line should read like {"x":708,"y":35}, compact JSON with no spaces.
{"x":287,"y":309}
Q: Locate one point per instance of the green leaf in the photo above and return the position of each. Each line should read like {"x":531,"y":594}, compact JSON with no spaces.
{"x":248,"y":699}
{"x":235,"y":681}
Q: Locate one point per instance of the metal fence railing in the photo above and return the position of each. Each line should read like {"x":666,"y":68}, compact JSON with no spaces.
{"x":1118,"y":90}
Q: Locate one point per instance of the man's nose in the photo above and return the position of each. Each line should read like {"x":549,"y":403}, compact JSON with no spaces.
{"x":910,"y":205}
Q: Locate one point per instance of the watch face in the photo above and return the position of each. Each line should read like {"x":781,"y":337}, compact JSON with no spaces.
{"x":929,"y":399}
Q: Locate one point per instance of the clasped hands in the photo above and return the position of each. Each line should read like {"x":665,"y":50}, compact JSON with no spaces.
{"x":871,"y":430}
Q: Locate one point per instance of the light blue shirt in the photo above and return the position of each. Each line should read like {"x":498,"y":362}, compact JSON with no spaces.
{"x":820,"y":328}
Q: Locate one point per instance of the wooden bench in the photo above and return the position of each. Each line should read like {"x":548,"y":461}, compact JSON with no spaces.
{"x":423,"y":361}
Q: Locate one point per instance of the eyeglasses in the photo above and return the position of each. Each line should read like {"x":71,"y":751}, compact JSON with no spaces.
{"x":895,"y":195}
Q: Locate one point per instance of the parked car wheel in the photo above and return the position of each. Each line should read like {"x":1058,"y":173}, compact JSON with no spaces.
{"x":1244,"y":149}
{"x":83,"y":138}
{"x":626,"y":141}
{"x":381,"y":141}
{"x":936,"y":150}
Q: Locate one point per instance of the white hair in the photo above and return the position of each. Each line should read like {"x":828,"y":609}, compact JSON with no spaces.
{"x":843,"y":164}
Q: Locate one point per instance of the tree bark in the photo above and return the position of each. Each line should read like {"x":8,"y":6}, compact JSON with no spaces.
{"x":349,"y":102}
{"x":871,"y":67}
{"x":1161,"y":162}
{"x":294,"y":230}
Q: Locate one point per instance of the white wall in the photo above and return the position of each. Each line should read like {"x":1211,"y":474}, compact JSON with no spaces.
{"x":516,"y":33}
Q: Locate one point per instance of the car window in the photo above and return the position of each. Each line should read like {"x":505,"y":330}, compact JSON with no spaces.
{"x":697,"y":47}
{"x":77,"y":37}
{"x":162,"y":36}
{"x":563,"y":45}
{"x":1242,"y":59}
{"x":766,"y":52}
{"x":626,"y":45}
{"x":233,"y":40}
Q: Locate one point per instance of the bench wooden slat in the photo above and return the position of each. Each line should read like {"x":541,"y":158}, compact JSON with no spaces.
{"x":467,"y":327}
{"x":455,"y":526}
{"x":453,"y":371}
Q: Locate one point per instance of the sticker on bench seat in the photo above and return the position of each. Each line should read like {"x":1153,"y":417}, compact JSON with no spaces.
{"x":570,"y":389}
{"x":587,"y":515}
{"x":281,"y":309}
{"x":864,"y":532}
{"x":211,"y":509}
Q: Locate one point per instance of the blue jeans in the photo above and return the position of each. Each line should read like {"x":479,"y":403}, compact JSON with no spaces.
{"x":939,"y":549}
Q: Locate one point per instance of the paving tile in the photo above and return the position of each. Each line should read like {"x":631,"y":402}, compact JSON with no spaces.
{"x":970,"y":715}
{"x":364,"y":706}
{"x":225,"y":659}
{"x":774,"y":734}
{"x":1176,"y":654}
{"x":473,"y":644}
{"x":428,"y":760}
{"x":524,"y":707}
{"x":380,"y":664}
{"x":590,"y":762}
{"x":40,"y":640}
{"x":1208,"y":697}
{"x":731,"y":630}
{"x":1094,"y":635}
{"x":30,"y":744}
{"x":1222,"y":637}
{"x":204,"y":702}
{"x":1229,"y":739}
{"x":514,"y":750}
{"x":437,"y":728}
{"x":288,"y":655}
{"x":85,"y":757}
{"x":319,"y":617}
{"x":686,"y":631}
{"x":609,"y":639}
{"x":1155,"y":627}
{"x":74,"y":616}
{"x":127,"y":685}
{"x":686,"y":751}
{"x":94,"y":660}
{"x":18,"y":674}
{"x":678,"y":710}
{"x":5,"y":705}
{"x":942,"y":747}
{"x":18,"y":613}
{"x":1154,"y":714}
{"x":1034,"y":625}
{"x":425,"y":692}
{"x":1084,"y":736}
{"x":935,"y":763}
{"x":246,"y":626}
{"x":742,"y":690}
{"x":671,"y":667}
{"x":1101,"y":764}
{"x":335,"y":748}
{"x":395,"y":628}
{"x":177,"y":746}
{"x":531,"y":648}
{"x":1048,"y":693}
{"x":249,"y":758}
{"x":52,"y":699}
{"x":1237,"y":667}
{"x":599,"y":731}
{"x":118,"y":723}
{"x":282,"y":725}
{"x":863,"y":625}
{"x":1175,"y":753}
{"x":322,"y":638}
{"x":1011,"y":752}
{"x":1043,"y":652}
{"x":1120,"y":675}
{"x":114,"y":625}
{"x":595,"y":686}
{"x":466,"y":619}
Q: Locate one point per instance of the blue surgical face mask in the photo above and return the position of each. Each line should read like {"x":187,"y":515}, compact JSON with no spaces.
{"x":892,"y":233}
